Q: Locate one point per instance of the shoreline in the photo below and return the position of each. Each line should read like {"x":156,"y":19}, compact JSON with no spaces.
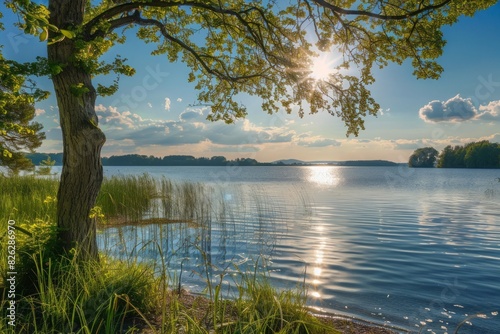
{"x":353,"y":324}
{"x":345,"y":324}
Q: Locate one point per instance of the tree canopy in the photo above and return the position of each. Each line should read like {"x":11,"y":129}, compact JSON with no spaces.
{"x":423,"y":157}
{"x":18,"y":132}
{"x":260,"y":48}
{"x":481,"y":154}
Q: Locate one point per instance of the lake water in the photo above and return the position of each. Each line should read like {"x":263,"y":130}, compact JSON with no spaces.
{"x":410,"y":248}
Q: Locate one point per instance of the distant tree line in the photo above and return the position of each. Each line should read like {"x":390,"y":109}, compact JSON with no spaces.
{"x":482,"y":154}
{"x":145,"y":160}
{"x":175,"y":160}
{"x":188,"y":160}
{"x":367,"y":163}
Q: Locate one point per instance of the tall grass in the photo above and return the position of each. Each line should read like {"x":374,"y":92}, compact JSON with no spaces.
{"x":90,"y":297}
{"x":128,"y":198}
{"x":122,"y":199}
{"x":27,"y":198}
{"x":128,"y":296}
{"x":135,"y":199}
{"x":112,"y":296}
{"x":116,"y":296}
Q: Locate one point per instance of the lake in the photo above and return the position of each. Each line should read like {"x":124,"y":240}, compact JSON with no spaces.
{"x":410,"y":248}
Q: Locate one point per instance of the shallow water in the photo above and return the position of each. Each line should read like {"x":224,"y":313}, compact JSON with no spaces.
{"x":405,"y":247}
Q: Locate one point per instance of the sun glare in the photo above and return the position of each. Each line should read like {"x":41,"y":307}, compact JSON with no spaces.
{"x":324,"y":175}
{"x":322,"y":67}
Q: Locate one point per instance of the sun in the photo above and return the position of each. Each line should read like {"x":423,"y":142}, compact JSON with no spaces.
{"x":322,"y":67}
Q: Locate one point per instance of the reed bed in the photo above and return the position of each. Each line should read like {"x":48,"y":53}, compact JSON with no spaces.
{"x":129,"y":294}
{"x":144,"y":199}
{"x":126,"y":296}
{"x":27,"y":198}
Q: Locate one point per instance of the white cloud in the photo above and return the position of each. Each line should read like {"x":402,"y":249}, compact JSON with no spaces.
{"x":39,"y":112}
{"x":190,"y":128}
{"x":439,"y":144}
{"x":456,"y":109}
{"x":179,"y":99}
{"x":100,"y":107}
{"x":167,"y":104}
{"x":150,"y":105}
{"x":192,"y":114}
{"x":494,"y":138}
{"x":408,"y":144}
{"x":129,"y":132}
{"x":490,"y":112}
{"x":315,"y":141}
{"x":110,"y":118}
{"x":383,"y":112}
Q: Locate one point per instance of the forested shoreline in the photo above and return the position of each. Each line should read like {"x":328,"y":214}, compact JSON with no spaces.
{"x":188,"y":160}
{"x":482,"y":154}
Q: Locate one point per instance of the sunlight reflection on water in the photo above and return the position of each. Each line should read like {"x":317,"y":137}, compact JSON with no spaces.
{"x":324,"y":175}
{"x":426,"y":248}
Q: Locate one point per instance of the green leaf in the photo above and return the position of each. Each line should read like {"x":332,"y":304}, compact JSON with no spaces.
{"x":67,"y":33}
{"x":44,"y":35}
{"x":55,"y":40}
{"x":55,"y":69}
{"x":52,"y":27}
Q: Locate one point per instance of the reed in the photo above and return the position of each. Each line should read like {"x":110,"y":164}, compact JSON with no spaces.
{"x":144,"y":199}
{"x":132,"y":295}
{"x":127,"y":197}
{"x":262,"y":308}
{"x":27,"y":198}
{"x":85,"y":297}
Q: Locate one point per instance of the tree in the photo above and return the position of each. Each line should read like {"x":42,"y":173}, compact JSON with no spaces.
{"x":46,"y":166}
{"x":481,"y":154}
{"x":446,"y":157}
{"x":260,"y":48}
{"x":423,"y":157}
{"x":17,"y":130}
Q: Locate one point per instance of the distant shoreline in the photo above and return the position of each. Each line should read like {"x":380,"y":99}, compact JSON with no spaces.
{"x":187,"y":160}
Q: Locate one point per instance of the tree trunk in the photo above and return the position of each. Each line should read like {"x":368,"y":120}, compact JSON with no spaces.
{"x":82,"y":173}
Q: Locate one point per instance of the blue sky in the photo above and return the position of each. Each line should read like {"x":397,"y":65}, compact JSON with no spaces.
{"x":154,"y":112}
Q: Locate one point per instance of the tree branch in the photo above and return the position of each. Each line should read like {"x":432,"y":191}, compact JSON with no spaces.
{"x":253,"y":29}
{"x":132,"y":6}
{"x":199,"y":57}
{"x":410,"y":14}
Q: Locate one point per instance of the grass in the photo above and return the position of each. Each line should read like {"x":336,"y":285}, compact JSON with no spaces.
{"x":125,"y":296}
{"x":83,"y":298}
{"x":27,"y":198}
{"x":135,"y":199}
{"x":113,"y":296}
{"x":122,"y":199}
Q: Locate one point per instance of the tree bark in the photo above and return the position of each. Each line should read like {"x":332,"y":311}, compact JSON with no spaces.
{"x":82,"y":173}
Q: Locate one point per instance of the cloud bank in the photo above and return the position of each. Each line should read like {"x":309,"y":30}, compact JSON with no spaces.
{"x":456,"y":109}
{"x":191,"y":127}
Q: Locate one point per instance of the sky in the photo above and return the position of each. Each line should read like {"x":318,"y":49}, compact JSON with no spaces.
{"x":155,"y":112}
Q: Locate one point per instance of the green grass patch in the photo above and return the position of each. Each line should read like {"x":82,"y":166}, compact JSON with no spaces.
{"x":66,"y":295}
{"x":91,"y":297}
{"x":27,"y":198}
